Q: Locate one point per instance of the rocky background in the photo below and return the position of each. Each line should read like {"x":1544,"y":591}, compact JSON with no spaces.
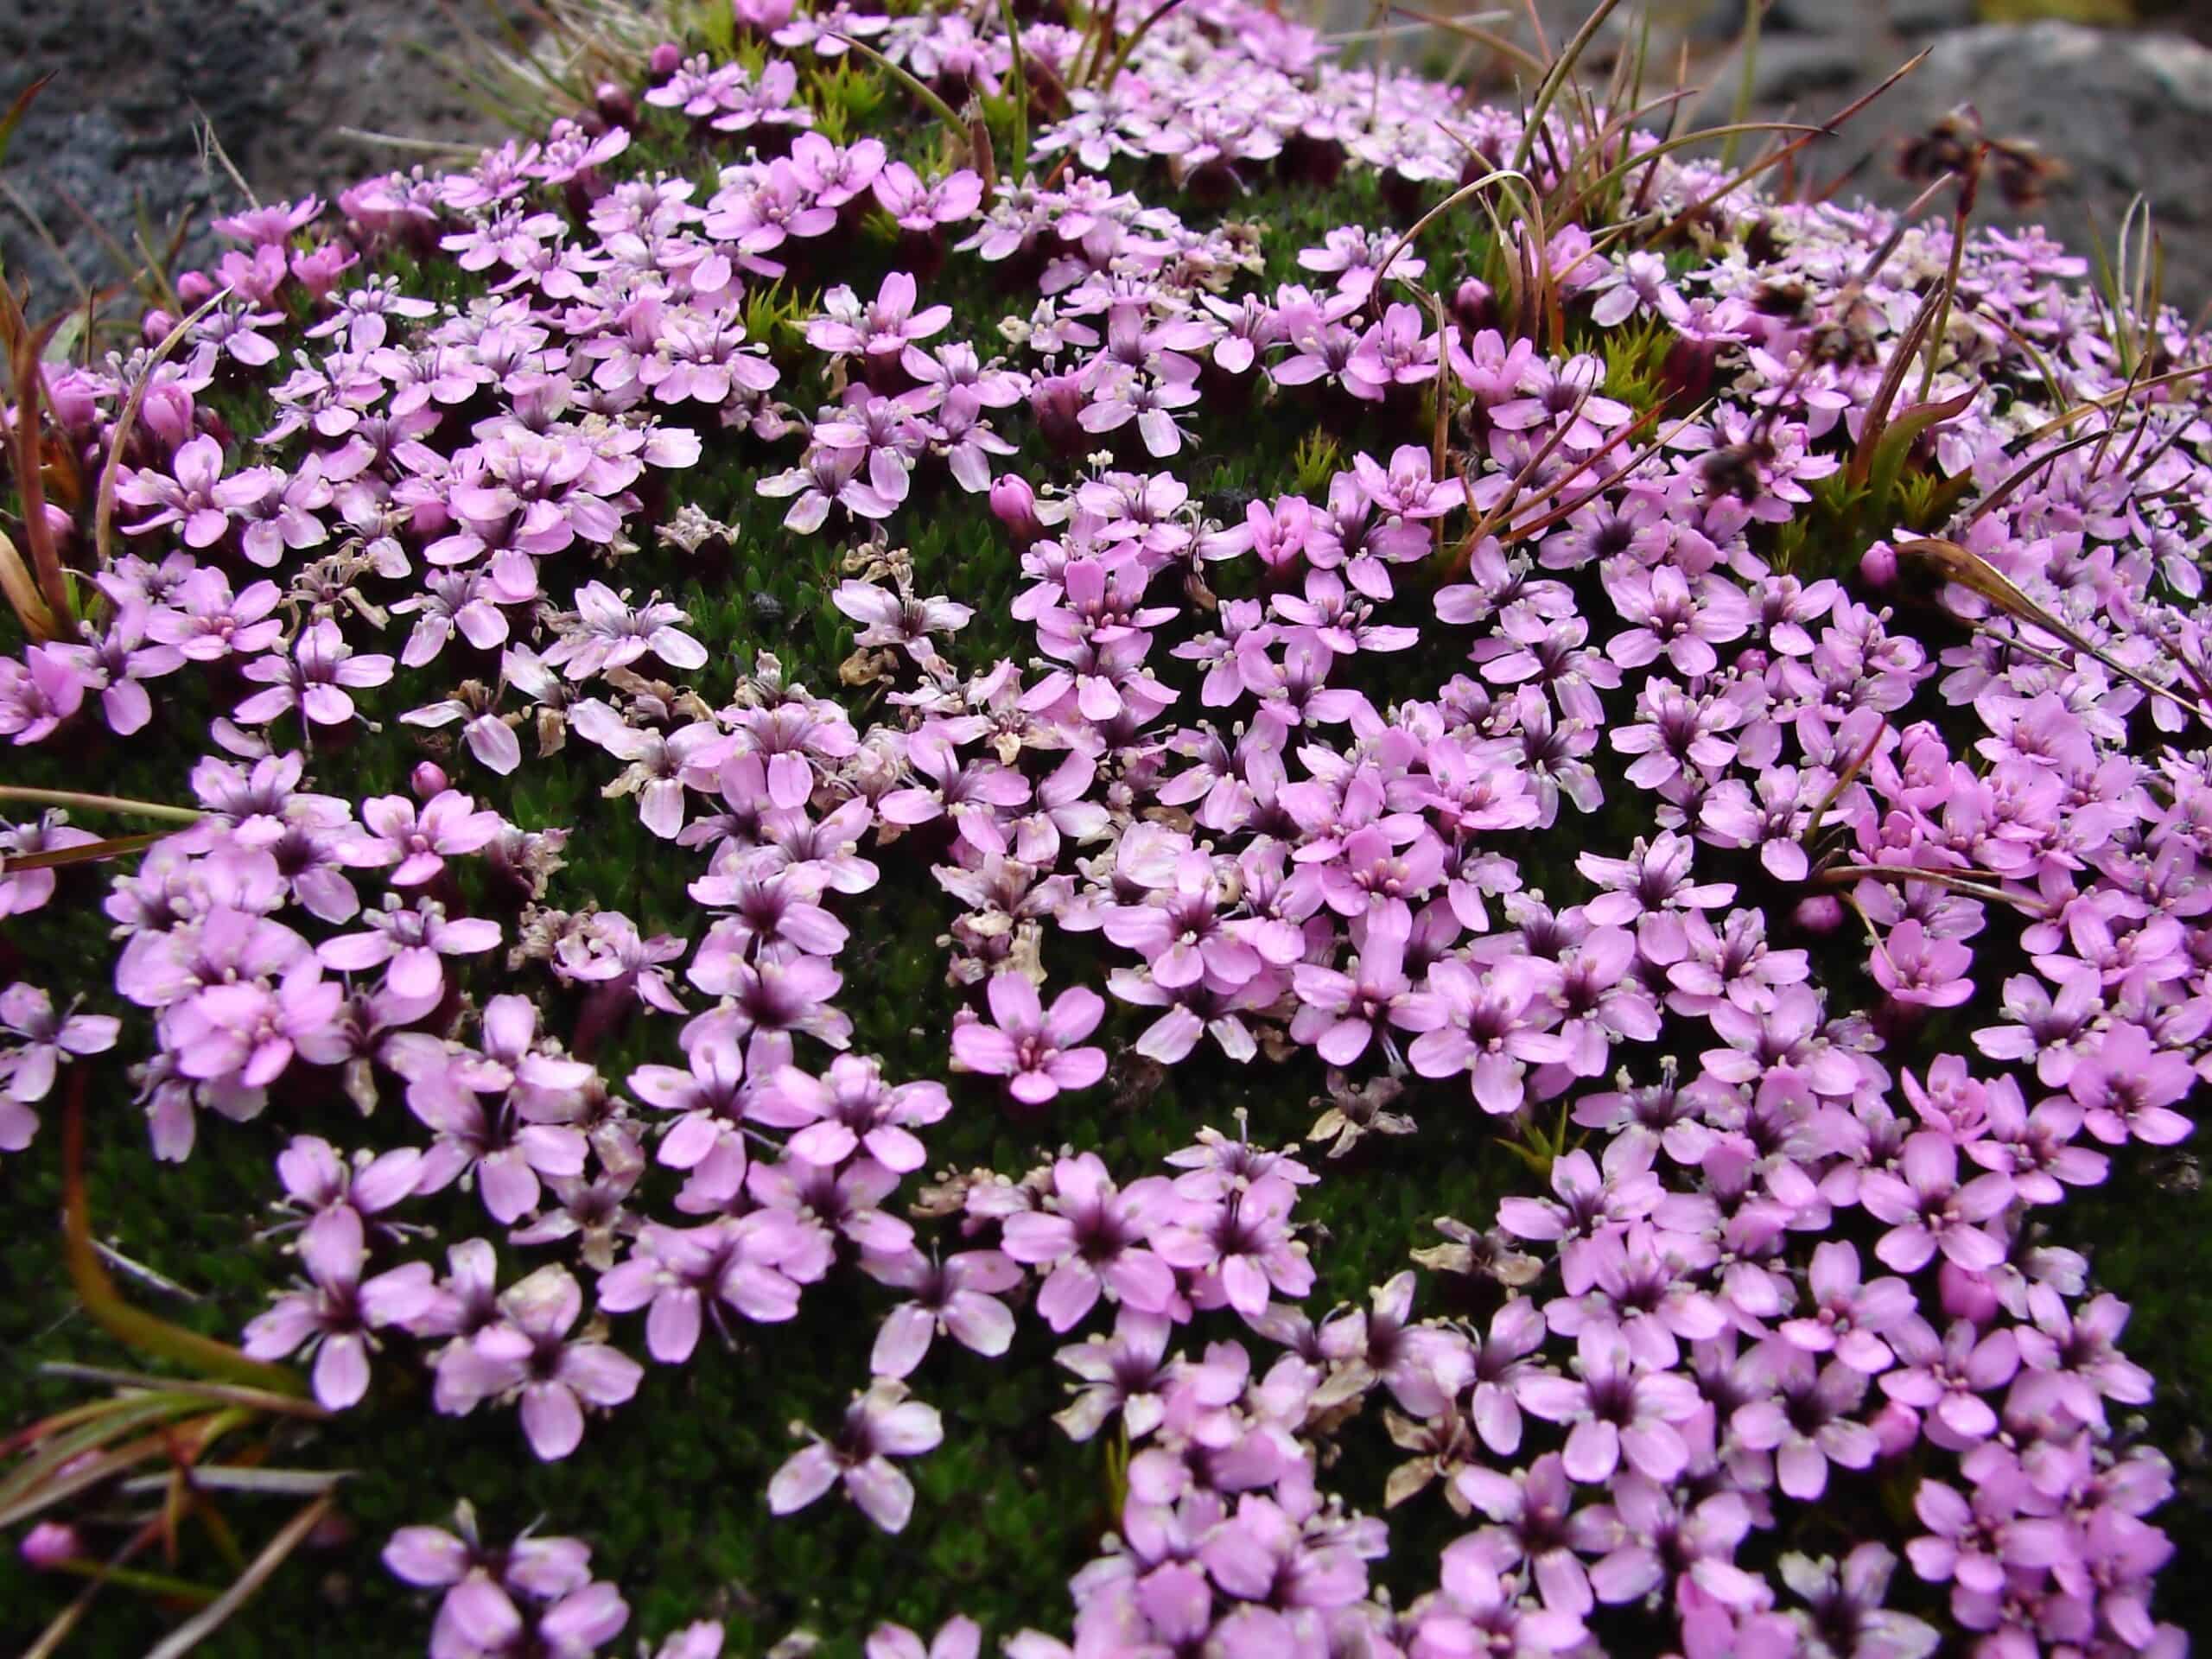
{"x":117,"y":129}
{"x":2128,"y":109}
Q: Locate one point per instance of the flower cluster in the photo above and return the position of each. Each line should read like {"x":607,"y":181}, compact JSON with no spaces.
{"x":1508,"y":754}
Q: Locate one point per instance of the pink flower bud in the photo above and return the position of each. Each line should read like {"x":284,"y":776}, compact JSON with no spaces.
{"x":664,"y":59}
{"x":156,"y":325}
{"x":1896,"y":1428}
{"x":194,"y":286}
{"x":1015,"y":503}
{"x":1967,"y":1295}
{"x":1878,"y":567}
{"x":1821,"y":914}
{"x":50,"y":1543}
{"x":167,"y":413}
{"x":1472,"y":305}
{"x":614,"y":105}
{"x":429,"y":779}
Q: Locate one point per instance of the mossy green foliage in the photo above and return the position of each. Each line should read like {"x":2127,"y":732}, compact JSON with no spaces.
{"x":669,"y":1491}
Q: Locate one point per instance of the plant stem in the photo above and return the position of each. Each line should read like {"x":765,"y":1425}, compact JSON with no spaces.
{"x":100,"y":804}
{"x":132,"y":1578}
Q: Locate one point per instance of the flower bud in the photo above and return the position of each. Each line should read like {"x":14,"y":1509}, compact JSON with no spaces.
{"x":194,"y":286}
{"x":1878,"y":567}
{"x":1821,"y":914}
{"x":50,"y":1543}
{"x":156,"y":325}
{"x":1896,"y":1428}
{"x":1967,"y":1295}
{"x":665,"y":58}
{"x":1015,"y":503}
{"x":615,"y":105}
{"x":1474,"y":305}
{"x":429,"y":779}
{"x":167,"y":413}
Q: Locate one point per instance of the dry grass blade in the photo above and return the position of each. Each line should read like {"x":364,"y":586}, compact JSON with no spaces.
{"x":99,"y":803}
{"x":27,"y":383}
{"x":111,"y":474}
{"x":139,"y":1329}
{"x":1569,"y":509}
{"x":20,"y":106}
{"x":1747,"y":78}
{"x":255,"y":1481}
{"x":91,"y":852}
{"x":1745,"y":175}
{"x":1471,"y":30}
{"x":1487,"y":526}
{"x":1955,"y":565}
{"x":2113,"y":399}
{"x":2020,"y":474}
{"x":1121,"y":57}
{"x":1020,"y":72}
{"x":1475,"y":189}
{"x":21,"y":590}
{"x":1905,"y":874}
{"x":1885,"y":395}
{"x":204,"y":1624}
{"x":90,"y":1469}
{"x":1562,"y":67}
{"x":223,"y":1394}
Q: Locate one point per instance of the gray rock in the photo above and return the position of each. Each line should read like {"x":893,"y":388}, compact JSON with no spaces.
{"x":1792,"y":67}
{"x":277,"y":78}
{"x":2124,"y":111}
{"x":1816,"y":16}
{"x":1930,"y":17}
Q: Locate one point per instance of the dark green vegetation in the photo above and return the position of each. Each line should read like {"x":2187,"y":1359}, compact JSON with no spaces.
{"x":669,"y":1491}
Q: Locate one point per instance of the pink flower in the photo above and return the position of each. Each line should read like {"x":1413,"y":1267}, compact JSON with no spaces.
{"x":419,"y":843}
{"x":1914,"y":967}
{"x":880,"y":1425}
{"x":957,"y":1296}
{"x":529,"y":1353}
{"x":334,"y":1312}
{"x":1032,"y":1050}
{"x":1239,"y":1246}
{"x":1094,"y":1239}
{"x":1927,"y":1211}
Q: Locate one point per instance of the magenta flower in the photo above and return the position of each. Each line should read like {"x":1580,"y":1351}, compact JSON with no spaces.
{"x":958,"y":1296}
{"x":315,"y":680}
{"x":1927,"y":1209}
{"x":1239,"y":1248}
{"x":334,"y":1312}
{"x":2126,"y":1088}
{"x":1916,"y":968}
{"x":528,"y":1354}
{"x":1034,"y":1050}
{"x":196,"y":495}
{"x":44,"y":1040}
{"x":852,"y":1109}
{"x":883,"y":326}
{"x":410,"y":939}
{"x":448,"y":826}
{"x":959,"y":1638}
{"x":880,"y":1425}
{"x":1945,"y":1378}
{"x":1095,"y":1239}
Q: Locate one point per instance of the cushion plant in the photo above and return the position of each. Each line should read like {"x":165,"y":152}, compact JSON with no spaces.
{"x":1005,"y":826}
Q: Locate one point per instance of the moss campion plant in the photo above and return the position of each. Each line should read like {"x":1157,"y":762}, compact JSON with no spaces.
{"x":1008,"y":829}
